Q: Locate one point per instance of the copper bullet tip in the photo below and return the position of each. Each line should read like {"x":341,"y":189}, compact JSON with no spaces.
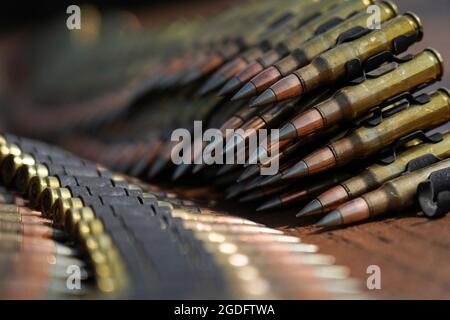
{"x":287,"y":87}
{"x":271,"y":204}
{"x":298,"y":171}
{"x":247,"y":91}
{"x":332,"y":198}
{"x":308,"y":122}
{"x":320,"y":160}
{"x":266,"y":78}
{"x":289,"y":131}
{"x":312,"y":208}
{"x":267,"y":97}
{"x":250,"y":71}
{"x":231,"y":86}
{"x":334,"y":218}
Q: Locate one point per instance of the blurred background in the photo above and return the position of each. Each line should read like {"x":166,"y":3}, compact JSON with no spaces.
{"x":34,"y":42}
{"x":18,"y":18}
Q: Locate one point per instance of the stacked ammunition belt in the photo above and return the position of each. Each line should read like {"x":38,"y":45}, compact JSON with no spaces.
{"x":81,"y":222}
{"x":359,"y":130}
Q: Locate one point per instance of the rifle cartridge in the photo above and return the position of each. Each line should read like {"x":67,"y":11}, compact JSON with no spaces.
{"x":333,"y":65}
{"x":295,"y":39}
{"x":354,"y":101}
{"x":393,"y":195}
{"x":306,"y":52}
{"x":374,"y":176}
{"x":270,"y":39}
{"x":365,"y":141}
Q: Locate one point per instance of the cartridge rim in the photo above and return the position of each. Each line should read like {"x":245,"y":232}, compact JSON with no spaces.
{"x":440,"y":60}
{"x":445,"y":91}
{"x":416,"y":18}
{"x":391,"y":6}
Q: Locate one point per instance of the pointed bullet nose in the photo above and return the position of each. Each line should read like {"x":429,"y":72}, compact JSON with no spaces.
{"x":266,"y":78}
{"x":234,"y":191}
{"x":271,"y":180}
{"x":232,"y":194}
{"x":198,"y":167}
{"x":192,"y":75}
{"x":180,"y":170}
{"x":312,"y":208}
{"x":269,"y":205}
{"x":242,"y":177}
{"x":289,"y":131}
{"x":249,"y":172}
{"x":247,"y":91}
{"x":298,"y":171}
{"x":231,"y":86}
{"x":211,"y":84}
{"x":264,"y":98}
{"x":226,"y":168}
{"x":156,"y":168}
{"x":251,"y":185}
{"x":251,"y":196}
{"x":334,"y":218}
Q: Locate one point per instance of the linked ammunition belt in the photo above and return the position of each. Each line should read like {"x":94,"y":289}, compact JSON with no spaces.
{"x":171,"y":131}
{"x":123,"y":240}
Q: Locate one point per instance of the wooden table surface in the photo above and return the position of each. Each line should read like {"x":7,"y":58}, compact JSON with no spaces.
{"x":412,"y":251}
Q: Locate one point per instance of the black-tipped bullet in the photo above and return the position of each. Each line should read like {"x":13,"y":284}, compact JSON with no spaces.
{"x":247,"y":91}
{"x":267,"y":97}
{"x":226,"y":168}
{"x":158,"y":166}
{"x":249,"y":172}
{"x":180,"y":171}
{"x":191,"y":76}
{"x":271,"y":180}
{"x":298,"y":171}
{"x":334,"y":218}
{"x":253,"y":184}
{"x":234,"y":191}
{"x":312,"y":208}
{"x":288,"y":132}
{"x":211,"y":84}
{"x":274,"y":203}
{"x":198,"y":167}
{"x":255,"y":195}
{"x":231,"y":86}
